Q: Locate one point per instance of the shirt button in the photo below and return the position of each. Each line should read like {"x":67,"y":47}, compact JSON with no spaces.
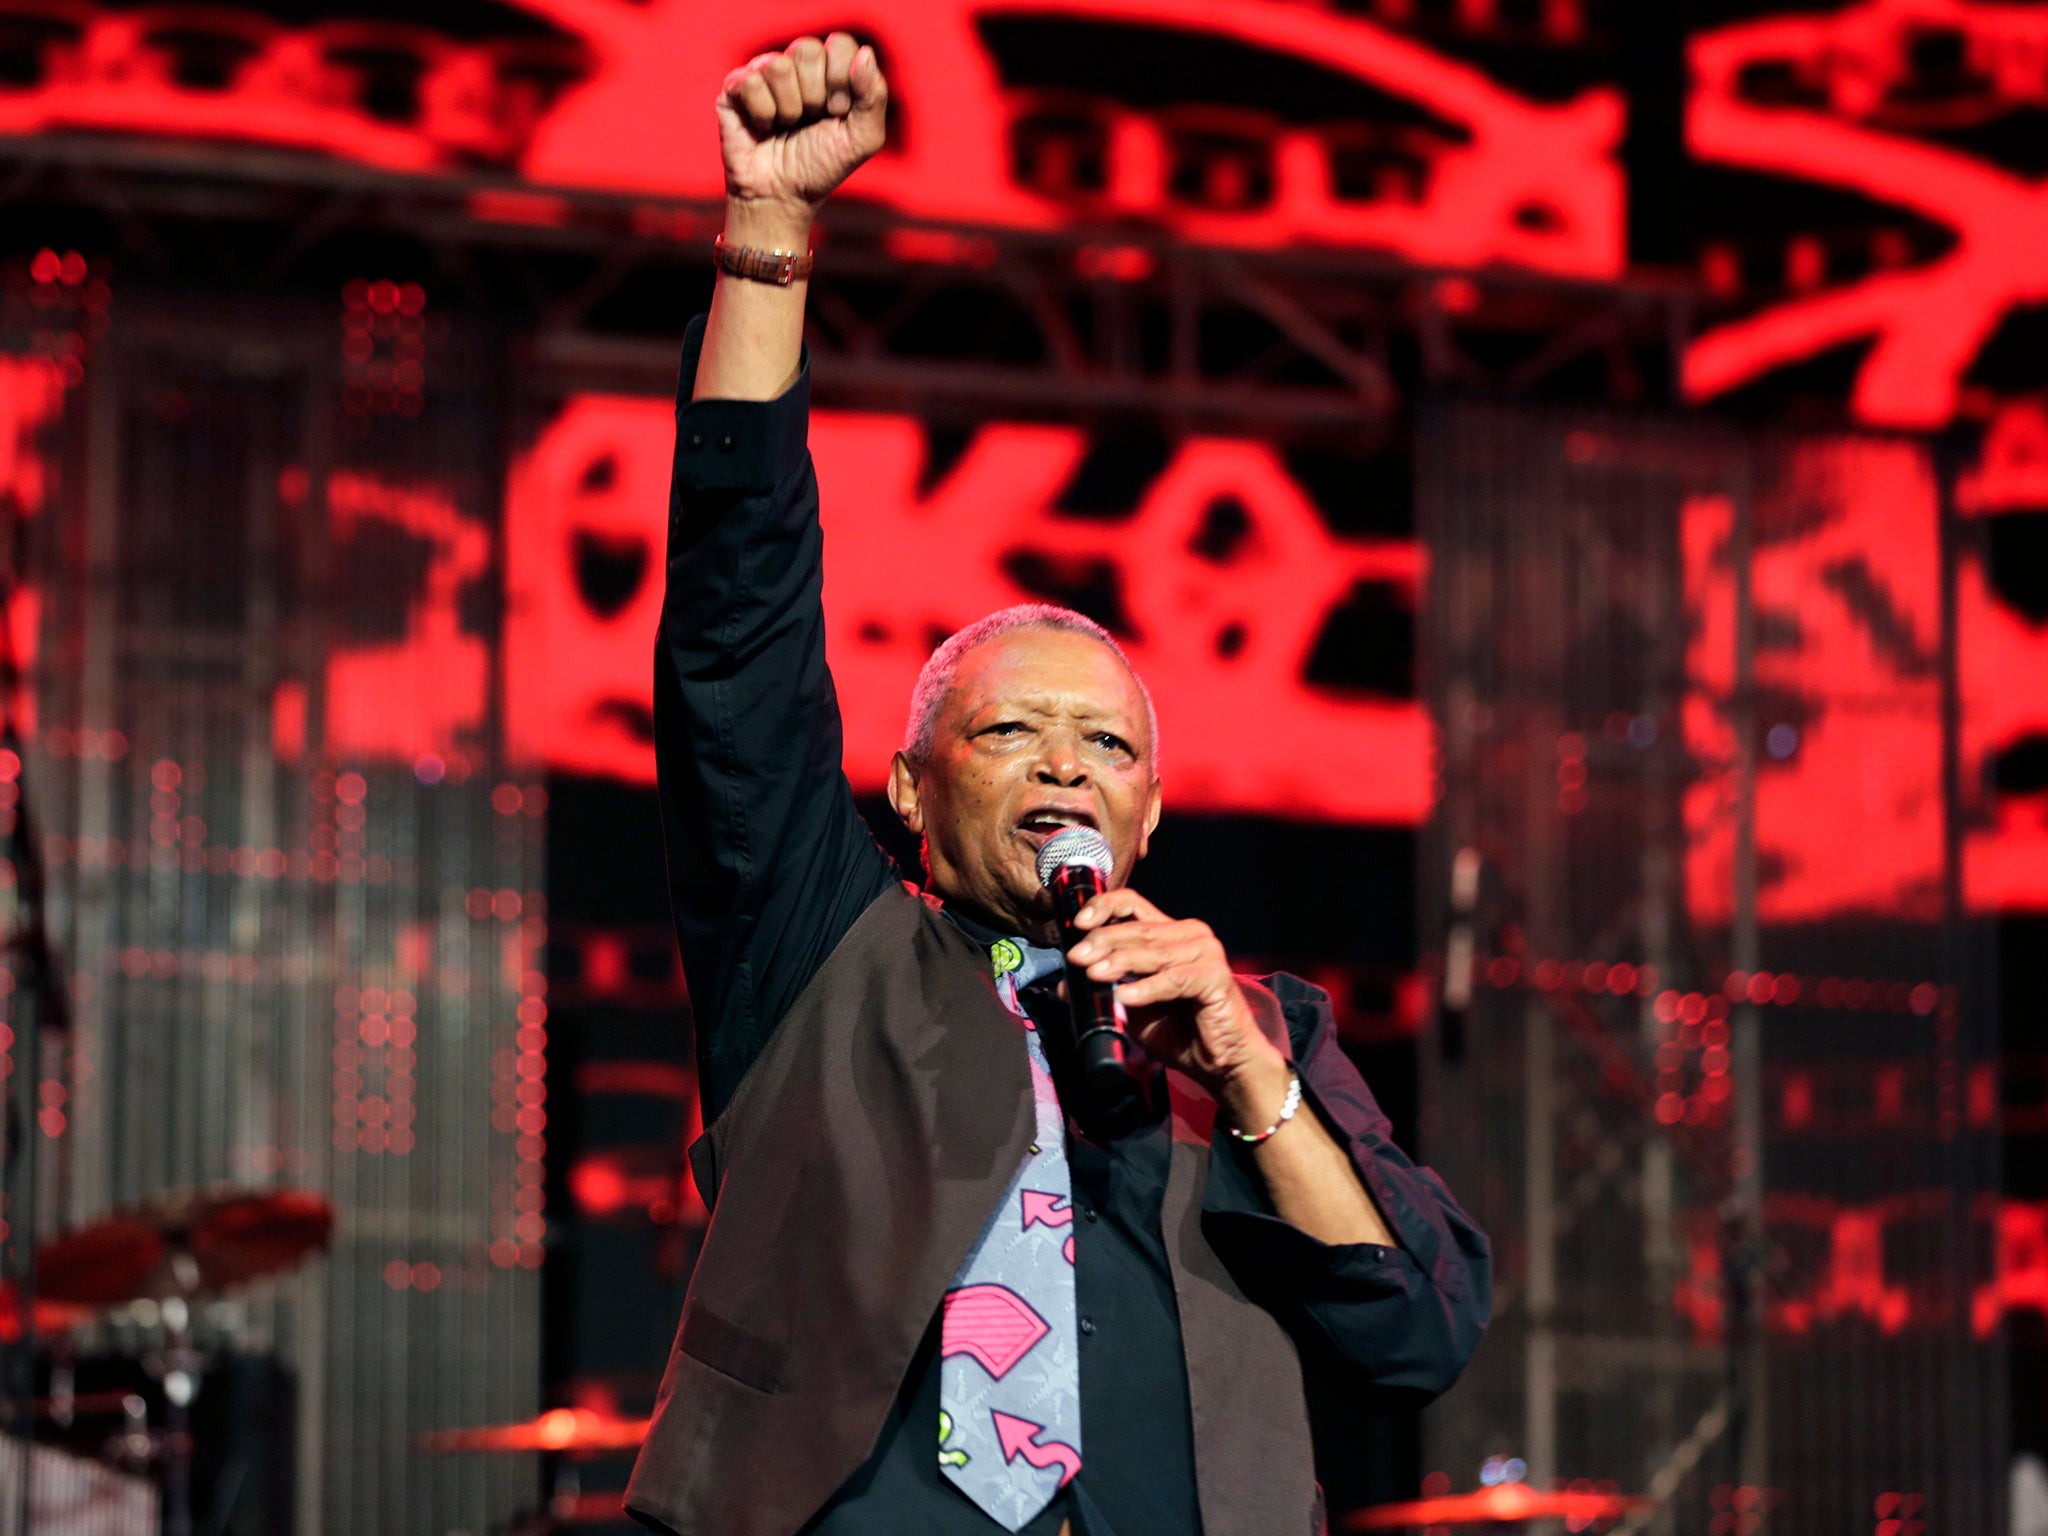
{"x":1088,"y":1325}
{"x":1088,"y":1213}
{"x":696,"y":439}
{"x":727,"y":443}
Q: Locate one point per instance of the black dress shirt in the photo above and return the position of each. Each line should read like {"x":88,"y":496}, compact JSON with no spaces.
{"x":770,"y":865}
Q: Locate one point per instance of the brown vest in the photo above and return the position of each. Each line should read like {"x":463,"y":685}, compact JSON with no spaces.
{"x":849,"y":1176}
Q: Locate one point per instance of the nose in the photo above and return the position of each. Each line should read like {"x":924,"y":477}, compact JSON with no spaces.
{"x":1060,"y":761}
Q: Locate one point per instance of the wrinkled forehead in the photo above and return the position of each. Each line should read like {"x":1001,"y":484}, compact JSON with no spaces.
{"x":1049,"y":671}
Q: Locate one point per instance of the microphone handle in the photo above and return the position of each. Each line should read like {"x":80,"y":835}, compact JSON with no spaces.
{"x":1102,"y":1041}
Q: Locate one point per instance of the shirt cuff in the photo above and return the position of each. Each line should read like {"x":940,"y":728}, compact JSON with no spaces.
{"x":738,"y":445}
{"x":1306,"y":1269}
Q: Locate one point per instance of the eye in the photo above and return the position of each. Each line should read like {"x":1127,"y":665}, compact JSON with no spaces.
{"x":1112,"y":742}
{"x":1003,"y":728}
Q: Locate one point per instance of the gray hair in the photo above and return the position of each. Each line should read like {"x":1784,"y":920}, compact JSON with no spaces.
{"x":936,"y":681}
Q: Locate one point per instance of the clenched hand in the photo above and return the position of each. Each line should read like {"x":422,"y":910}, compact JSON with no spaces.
{"x":793,"y":125}
{"x":1185,"y":1006}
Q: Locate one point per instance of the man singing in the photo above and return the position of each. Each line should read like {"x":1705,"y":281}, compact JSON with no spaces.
{"x":946,"y":1291}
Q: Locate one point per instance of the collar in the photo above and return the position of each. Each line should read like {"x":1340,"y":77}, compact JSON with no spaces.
{"x":1009,"y":955}
{"x":1032,"y":964}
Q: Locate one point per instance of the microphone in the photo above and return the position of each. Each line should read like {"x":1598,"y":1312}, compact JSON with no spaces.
{"x":1074,"y":865}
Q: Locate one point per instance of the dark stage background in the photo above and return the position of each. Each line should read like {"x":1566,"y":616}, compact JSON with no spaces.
{"x":1574,"y":473}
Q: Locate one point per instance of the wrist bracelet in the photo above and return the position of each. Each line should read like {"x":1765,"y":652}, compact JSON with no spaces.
{"x":1253,"y":1138}
{"x":779,"y":267}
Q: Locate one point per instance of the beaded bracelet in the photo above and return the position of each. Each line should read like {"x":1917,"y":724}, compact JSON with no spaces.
{"x":1253,"y":1138}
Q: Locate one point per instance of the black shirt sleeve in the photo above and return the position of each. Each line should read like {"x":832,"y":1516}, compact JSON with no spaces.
{"x":769,"y":863}
{"x":1394,"y":1326}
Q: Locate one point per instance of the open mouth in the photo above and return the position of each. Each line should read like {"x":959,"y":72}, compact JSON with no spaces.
{"x":1040,"y":826}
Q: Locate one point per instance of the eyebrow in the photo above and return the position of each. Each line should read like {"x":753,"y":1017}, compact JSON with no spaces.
{"x":1040,"y":705}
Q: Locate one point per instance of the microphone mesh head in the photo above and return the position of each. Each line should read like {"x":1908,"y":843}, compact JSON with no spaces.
{"x":1076,"y":845}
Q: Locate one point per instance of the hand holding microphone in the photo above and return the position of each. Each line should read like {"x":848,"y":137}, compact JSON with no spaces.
{"x":1136,"y":975}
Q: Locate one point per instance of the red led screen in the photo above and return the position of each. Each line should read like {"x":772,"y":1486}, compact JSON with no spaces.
{"x":1461,"y":171}
{"x":2002,"y":647}
{"x":1841,"y":1264}
{"x":1221,"y":632}
{"x":1949,"y":244}
{"x":31,"y":399}
{"x":1846,"y":582}
{"x":435,"y":672}
{"x":1313,"y":125}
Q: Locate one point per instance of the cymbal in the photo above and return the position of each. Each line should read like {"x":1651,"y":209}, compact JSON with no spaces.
{"x":1503,"y":1504}
{"x":559,"y":1429}
{"x":186,"y":1243}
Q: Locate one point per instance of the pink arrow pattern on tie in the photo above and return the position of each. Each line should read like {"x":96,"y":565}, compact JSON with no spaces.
{"x":1018,"y":1436}
{"x":1045,"y":1209}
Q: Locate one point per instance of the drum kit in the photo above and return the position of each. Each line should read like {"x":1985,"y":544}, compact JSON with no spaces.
{"x":166,"y":1257}
{"x":161,"y":1259}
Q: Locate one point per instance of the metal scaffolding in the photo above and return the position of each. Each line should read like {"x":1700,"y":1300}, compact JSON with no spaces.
{"x":953,"y":321}
{"x":1754,"y":1310}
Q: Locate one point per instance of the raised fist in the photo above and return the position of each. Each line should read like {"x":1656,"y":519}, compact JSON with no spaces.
{"x":793,"y":125}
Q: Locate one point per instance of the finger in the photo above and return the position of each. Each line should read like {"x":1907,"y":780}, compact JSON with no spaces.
{"x":808,"y":54}
{"x":780,"y":73}
{"x":733,"y":77}
{"x":870,"y":90}
{"x":1122,"y":902}
{"x":1163,"y":986}
{"x":1120,"y":937}
{"x":756,"y":102}
{"x":840,"y":48}
{"x":1108,"y":938}
{"x":1146,"y":960}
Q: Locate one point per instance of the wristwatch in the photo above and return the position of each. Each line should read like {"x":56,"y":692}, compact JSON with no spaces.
{"x":779,"y":267}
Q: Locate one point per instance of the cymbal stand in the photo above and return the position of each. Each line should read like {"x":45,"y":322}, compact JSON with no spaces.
{"x":177,"y":1366}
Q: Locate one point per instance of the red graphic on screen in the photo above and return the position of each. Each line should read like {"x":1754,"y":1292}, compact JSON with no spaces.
{"x":1884,"y":1264}
{"x":2002,"y":651}
{"x":1534,"y":185}
{"x":387,"y":94}
{"x":2020,"y":1270}
{"x":31,"y":400}
{"x":32,"y":393}
{"x":1220,"y":631}
{"x":1847,"y":691}
{"x":1839,"y":108}
{"x":993,"y":1324}
{"x":619,"y":98}
{"x":424,"y":691}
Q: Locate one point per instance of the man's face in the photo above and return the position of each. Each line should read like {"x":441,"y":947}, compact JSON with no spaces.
{"x":1043,"y":729}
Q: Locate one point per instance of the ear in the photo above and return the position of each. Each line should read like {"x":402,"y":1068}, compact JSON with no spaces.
{"x":1154,"y":804}
{"x":903,"y":794}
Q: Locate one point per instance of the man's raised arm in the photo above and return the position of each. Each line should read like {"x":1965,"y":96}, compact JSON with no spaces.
{"x":791,"y":127}
{"x":769,"y":863}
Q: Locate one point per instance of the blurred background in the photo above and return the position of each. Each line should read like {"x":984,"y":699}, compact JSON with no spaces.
{"x":1575,"y":474}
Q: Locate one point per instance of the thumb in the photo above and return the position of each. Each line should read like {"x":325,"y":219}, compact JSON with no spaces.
{"x":870,"y":90}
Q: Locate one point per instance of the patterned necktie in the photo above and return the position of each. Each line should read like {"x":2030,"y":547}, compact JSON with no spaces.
{"x":1010,"y":1366}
